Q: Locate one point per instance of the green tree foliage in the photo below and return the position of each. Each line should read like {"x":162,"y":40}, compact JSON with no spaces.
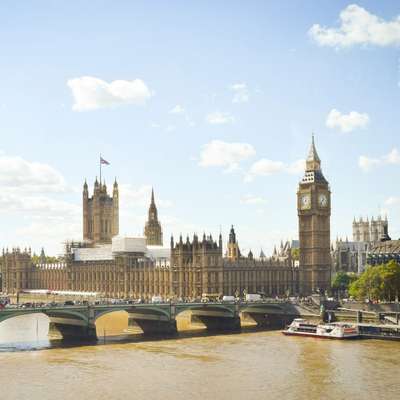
{"x":296,"y":254}
{"x":49,"y":259}
{"x":381,"y":282}
{"x":343,"y":280}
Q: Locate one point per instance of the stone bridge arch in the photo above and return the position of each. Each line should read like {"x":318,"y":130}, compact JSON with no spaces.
{"x":216,"y":317}
{"x":72,"y":324}
{"x":153,"y":319}
{"x":270,"y":315}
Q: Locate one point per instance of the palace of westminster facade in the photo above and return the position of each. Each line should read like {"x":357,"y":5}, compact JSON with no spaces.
{"x":114,"y":266}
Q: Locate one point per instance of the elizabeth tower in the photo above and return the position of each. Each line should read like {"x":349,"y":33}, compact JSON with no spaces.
{"x":314,"y":211}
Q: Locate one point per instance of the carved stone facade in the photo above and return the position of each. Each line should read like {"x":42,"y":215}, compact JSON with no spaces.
{"x":193,"y":268}
{"x":100,"y":214}
{"x":314,"y":210}
{"x":199,"y":267}
{"x":153,"y":230}
{"x":349,"y":256}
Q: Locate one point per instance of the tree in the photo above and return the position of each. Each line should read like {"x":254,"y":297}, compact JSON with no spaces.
{"x":343,"y":280}
{"x":49,"y":259}
{"x":381,"y":282}
{"x":295,"y":254}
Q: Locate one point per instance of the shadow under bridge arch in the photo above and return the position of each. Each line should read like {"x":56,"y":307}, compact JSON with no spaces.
{"x":216,"y":317}
{"x":269,"y":315}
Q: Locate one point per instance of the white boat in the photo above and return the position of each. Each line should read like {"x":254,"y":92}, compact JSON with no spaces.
{"x":334,"y":330}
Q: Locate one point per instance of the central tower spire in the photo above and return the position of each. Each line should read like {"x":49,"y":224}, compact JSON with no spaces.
{"x":152,"y":230}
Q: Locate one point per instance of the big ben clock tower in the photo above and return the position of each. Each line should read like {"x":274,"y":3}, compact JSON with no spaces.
{"x":314,"y":211}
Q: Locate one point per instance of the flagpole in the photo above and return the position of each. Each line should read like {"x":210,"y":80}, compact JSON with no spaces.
{"x":100,"y":168}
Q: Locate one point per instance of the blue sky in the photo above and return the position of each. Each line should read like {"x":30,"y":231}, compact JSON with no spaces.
{"x":212,"y":103}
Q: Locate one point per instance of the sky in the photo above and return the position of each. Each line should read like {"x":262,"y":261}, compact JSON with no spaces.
{"x":212,"y":103}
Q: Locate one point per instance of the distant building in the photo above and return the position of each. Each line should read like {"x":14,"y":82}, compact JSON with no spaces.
{"x":349,"y":256}
{"x":284,"y":252}
{"x":115,"y":266}
{"x":370,"y":231}
{"x":383,"y":252}
{"x":352,"y":256}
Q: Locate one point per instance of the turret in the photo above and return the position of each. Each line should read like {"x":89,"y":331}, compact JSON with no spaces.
{"x":85,"y":190}
{"x":233,"y":246}
{"x":100,"y":213}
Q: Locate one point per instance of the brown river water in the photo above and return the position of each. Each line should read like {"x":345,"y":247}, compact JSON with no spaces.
{"x":248,"y":365}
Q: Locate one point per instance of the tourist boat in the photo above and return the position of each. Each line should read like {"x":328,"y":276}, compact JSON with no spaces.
{"x":335,"y":330}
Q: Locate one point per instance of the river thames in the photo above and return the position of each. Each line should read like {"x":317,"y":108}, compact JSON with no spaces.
{"x":249,"y":365}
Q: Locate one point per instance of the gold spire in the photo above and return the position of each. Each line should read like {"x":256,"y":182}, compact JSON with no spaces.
{"x":313,"y":162}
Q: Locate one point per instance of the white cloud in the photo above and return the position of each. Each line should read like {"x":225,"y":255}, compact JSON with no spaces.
{"x":392,"y":200}
{"x":18,"y":173}
{"x":368,"y":163}
{"x":49,"y":234}
{"x":178,"y":109}
{"x":222,"y":154}
{"x":347,"y":122}
{"x":190,"y":121}
{"x":91,"y":93}
{"x":249,"y":199}
{"x":296,"y":167}
{"x":219,"y":118}
{"x":265,"y":167}
{"x":170,"y":128}
{"x":358,"y":27}
{"x":241,"y":93}
{"x":393,"y":157}
{"x":140,"y":196}
{"x":36,"y":205}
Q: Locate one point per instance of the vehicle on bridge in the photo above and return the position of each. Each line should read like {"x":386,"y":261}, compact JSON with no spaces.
{"x":210,"y":297}
{"x":227,"y":299}
{"x":253,"y":297}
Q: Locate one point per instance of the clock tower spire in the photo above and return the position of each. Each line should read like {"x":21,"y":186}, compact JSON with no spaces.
{"x":314,"y":211}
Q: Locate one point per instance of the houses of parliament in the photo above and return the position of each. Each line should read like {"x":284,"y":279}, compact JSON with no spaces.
{"x":113,"y":266}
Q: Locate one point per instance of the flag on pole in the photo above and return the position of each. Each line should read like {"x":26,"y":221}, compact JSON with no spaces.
{"x":103,"y":161}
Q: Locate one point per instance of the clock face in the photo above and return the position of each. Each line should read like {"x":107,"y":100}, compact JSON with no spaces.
{"x":305,"y":201}
{"x":322,"y":200}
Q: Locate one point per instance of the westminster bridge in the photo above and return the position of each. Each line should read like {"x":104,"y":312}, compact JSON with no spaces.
{"x":78,"y":322}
